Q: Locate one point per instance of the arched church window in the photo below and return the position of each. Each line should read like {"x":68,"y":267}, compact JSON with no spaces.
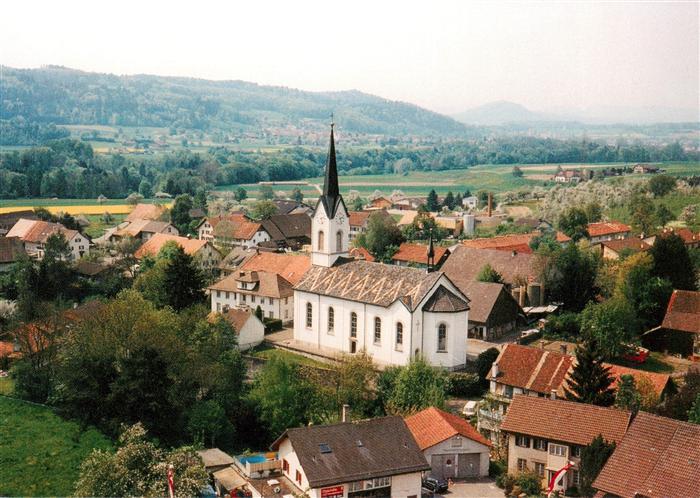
{"x":353,"y":324}
{"x":309,"y":315}
{"x":442,"y":338}
{"x":339,"y":241}
{"x":321,"y":240}
{"x":377,"y":330}
{"x":399,"y":335}
{"x":331,"y":319}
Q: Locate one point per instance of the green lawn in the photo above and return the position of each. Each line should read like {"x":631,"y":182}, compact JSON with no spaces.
{"x":40,"y":453}
{"x":268,"y":352}
{"x":97,"y":226}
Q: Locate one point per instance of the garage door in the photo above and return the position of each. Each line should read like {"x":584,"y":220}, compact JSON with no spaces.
{"x":442,"y":466}
{"x":469,"y":465}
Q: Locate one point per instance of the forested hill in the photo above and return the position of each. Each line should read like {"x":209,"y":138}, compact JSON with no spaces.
{"x":65,"y":96}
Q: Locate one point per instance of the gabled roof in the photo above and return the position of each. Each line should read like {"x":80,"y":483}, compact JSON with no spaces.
{"x":683,"y":312}
{"x":291,"y":267}
{"x":135,"y":227}
{"x":237,"y":317}
{"x":565,"y":421}
{"x":214,"y":457}
{"x":153,"y":245}
{"x":288,"y":226}
{"x":359,"y":218}
{"x":658,"y":457}
{"x":445,"y":301}
{"x":433,"y":426}
{"x":533,"y":369}
{"x":361,"y":253}
{"x":464,"y":264}
{"x":366,"y":449}
{"x":658,"y":380}
{"x":607,"y":228}
{"x":418,"y":253}
{"x":7,"y":220}
{"x":688,"y":236}
{"x":633,"y":245}
{"x":483,"y":297}
{"x":371,"y":283}
{"x":267,"y":284}
{"x":145,"y":212}
{"x":37,"y":231}
{"x":239,"y":228}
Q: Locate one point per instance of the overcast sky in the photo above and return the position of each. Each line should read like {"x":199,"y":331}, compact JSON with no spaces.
{"x":443,"y":55}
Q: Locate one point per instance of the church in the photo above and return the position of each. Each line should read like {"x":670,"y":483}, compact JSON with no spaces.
{"x":391,"y":312}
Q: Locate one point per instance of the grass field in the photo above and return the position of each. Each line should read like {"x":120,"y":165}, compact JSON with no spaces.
{"x":496,"y":178}
{"x":40,"y":453}
{"x":674,"y":201}
{"x":7,"y":386}
{"x":268,"y":352}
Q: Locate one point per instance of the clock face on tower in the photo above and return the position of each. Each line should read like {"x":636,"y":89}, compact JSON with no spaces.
{"x":341,"y":219}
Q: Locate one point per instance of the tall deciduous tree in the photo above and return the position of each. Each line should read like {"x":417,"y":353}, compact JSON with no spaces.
{"x":417,"y":386}
{"x":382,"y":238}
{"x":570,"y":275}
{"x":672,"y":262}
{"x":610,"y":325}
{"x":574,"y":223}
{"x":660,"y":185}
{"x":180,"y":213}
{"x":590,"y":381}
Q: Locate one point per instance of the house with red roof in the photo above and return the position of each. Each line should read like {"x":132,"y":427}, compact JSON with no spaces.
{"x":679,"y":332}
{"x":203,"y":251}
{"x":250,"y":330}
{"x":453,"y":448}
{"x":416,"y":255}
{"x":607,"y":230}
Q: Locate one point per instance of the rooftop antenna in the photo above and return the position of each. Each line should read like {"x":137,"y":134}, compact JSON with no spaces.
{"x":332,"y":121}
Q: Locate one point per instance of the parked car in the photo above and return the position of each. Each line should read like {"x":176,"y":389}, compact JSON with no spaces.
{"x":637,"y":354}
{"x":470,"y":408}
{"x":435,"y":485}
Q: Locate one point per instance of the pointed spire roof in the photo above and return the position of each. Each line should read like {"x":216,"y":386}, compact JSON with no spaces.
{"x":331,"y":192}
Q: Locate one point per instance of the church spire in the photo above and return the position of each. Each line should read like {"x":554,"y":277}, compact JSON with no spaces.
{"x":431,"y":253}
{"x":330,"y":183}
{"x":331,"y":192}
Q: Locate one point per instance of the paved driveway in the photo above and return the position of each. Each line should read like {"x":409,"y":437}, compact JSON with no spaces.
{"x":481,"y":488}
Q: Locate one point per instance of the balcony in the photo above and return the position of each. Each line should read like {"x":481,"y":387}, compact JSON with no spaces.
{"x":493,"y":415}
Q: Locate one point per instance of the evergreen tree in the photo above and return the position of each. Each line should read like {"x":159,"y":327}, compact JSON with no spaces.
{"x":449,"y":201}
{"x":432,"y":201}
{"x":627,"y":396}
{"x":297,"y":195}
{"x":183,"y":281}
{"x":200,"y":199}
{"x":590,"y":382}
{"x":694,"y":412}
{"x":180,"y":214}
{"x":593,"y":458}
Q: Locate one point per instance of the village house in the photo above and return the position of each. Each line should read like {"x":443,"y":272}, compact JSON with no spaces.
{"x":232,"y":230}
{"x":145,"y":212}
{"x":543,"y":372}
{"x":519,"y":271}
{"x":393,"y":313}
{"x":286,"y":206}
{"x":471,"y":202}
{"x":657,"y":456}
{"x":416,"y":255}
{"x":454,"y":449}
{"x":546,"y":436}
{"x":250,"y":330}
{"x":607,"y":230}
{"x":493,"y":311}
{"x":288,"y":231}
{"x":11,"y":250}
{"x":690,"y":238}
{"x":568,"y":176}
{"x":291,"y":267}
{"x":402,"y":202}
{"x":361,"y":253}
{"x":359,"y":220}
{"x":368,"y":458}
{"x":618,"y":248}
{"x":35,"y":233}
{"x":644,"y":169}
{"x":234,"y":259}
{"x":203,"y":252}
{"x":250,"y":289}
{"x":679,"y":333}
{"x":381,"y":203}
{"x":143,"y":229}
{"x":8,"y":220}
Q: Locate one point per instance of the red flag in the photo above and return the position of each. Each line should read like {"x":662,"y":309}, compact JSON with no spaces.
{"x":171,"y":485}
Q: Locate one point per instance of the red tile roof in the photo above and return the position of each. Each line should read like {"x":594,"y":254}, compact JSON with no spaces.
{"x":607,"y":228}
{"x":433,"y":426}
{"x":565,"y":421}
{"x":358,"y":218}
{"x":519,"y":242}
{"x":533,"y":369}
{"x":291,"y":267}
{"x":361,"y":253}
{"x":235,"y":316}
{"x":153,"y":245}
{"x":688,"y":236}
{"x":658,"y":380}
{"x":658,"y":457}
{"x":683,"y":312}
{"x":464,"y":264}
{"x":418,"y":253}
{"x":631,"y":244}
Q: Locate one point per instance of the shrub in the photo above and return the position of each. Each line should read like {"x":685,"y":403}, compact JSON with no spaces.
{"x":272,"y":325}
{"x":529,"y":482}
{"x":497,"y":468}
{"x":464,"y":384}
{"x":506,"y":482}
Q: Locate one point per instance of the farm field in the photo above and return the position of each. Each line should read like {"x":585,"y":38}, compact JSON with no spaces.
{"x":70,"y":206}
{"x":497,"y":178}
{"x":40,"y":452}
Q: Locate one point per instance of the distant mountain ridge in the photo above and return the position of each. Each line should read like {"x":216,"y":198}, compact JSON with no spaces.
{"x":502,"y":113}
{"x":61,"y":95}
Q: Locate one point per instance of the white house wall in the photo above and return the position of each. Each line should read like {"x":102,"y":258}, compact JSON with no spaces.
{"x":252,"y":333}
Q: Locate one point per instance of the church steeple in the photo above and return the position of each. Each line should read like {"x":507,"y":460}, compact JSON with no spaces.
{"x":331,"y":192}
{"x":330,"y":226}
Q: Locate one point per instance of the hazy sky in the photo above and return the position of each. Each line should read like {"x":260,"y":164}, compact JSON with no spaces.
{"x":444,"y":55}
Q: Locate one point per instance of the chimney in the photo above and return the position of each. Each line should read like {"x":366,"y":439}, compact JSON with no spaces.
{"x":346,"y":413}
{"x":562,"y":348}
{"x":490,"y":205}
{"x":514,"y":253}
{"x":494,"y":369}
{"x":553,"y":394}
